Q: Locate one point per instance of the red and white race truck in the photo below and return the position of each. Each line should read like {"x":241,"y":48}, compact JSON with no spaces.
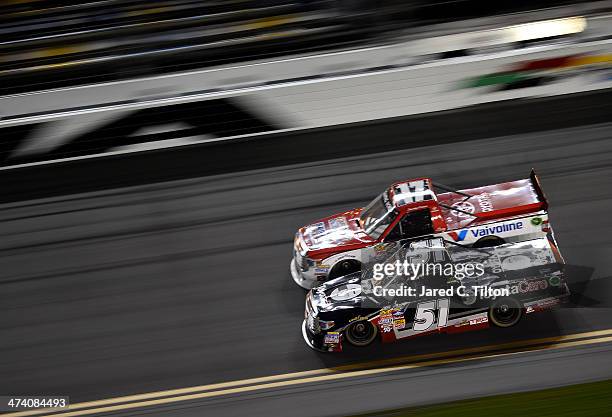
{"x":491,"y":215}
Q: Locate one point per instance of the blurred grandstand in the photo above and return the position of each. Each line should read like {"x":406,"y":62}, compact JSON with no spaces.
{"x":57,"y":43}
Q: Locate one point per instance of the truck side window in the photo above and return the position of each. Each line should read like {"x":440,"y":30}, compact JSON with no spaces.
{"x":413,"y":224}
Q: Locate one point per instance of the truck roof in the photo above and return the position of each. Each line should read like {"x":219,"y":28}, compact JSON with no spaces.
{"x":412,"y":191}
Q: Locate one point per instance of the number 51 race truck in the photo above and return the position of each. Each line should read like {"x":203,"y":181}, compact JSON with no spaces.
{"x":449,"y":288}
{"x":487,"y":216}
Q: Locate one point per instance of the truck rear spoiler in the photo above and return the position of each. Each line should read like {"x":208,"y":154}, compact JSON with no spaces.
{"x":535,"y":182}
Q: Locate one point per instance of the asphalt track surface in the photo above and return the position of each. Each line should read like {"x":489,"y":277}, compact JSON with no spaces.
{"x":183,"y":283}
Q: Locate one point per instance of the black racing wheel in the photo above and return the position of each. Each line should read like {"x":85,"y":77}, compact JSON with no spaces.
{"x":505,"y":312}
{"x":345,"y":267}
{"x":361,"y":333}
{"x":489,"y":242}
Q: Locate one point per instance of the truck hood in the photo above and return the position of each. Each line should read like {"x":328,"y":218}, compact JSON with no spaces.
{"x":340,"y":293}
{"x":337,"y":233}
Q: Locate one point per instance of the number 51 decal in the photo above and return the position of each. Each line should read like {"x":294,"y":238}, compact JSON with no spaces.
{"x":425,"y":316}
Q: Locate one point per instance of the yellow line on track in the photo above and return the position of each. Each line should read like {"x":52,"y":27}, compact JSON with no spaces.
{"x":318,"y":375}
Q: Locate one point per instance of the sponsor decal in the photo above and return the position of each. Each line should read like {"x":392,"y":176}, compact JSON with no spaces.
{"x":529,"y":286}
{"x":525,"y":286}
{"x":338,"y":223}
{"x":381,"y":247}
{"x":484,"y":200}
{"x":385,"y":320}
{"x":345,"y":292}
{"x":399,"y":323}
{"x":496,"y":229}
{"x":458,"y":236}
{"x":486,"y":230}
{"x":322,"y":269}
{"x":331,"y":338}
{"x":317,"y":229}
{"x":464,"y":206}
{"x":545,"y":304}
{"x":472,"y":322}
{"x":478,"y":320}
{"x":536,"y":221}
{"x":554,"y":281}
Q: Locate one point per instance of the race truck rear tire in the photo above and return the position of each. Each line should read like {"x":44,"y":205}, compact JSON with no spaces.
{"x":505,"y":312}
{"x":345,"y":267}
{"x":361,"y":333}
{"x":488,"y":242}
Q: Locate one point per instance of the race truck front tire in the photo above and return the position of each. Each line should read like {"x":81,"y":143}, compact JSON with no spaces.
{"x":344,"y":267}
{"x":361,"y":333}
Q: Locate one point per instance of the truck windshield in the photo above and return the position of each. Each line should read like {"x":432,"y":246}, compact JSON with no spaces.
{"x":378,"y":215}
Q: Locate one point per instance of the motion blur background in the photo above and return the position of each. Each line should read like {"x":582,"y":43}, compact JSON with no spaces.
{"x":47,"y":44}
{"x":156,"y":156}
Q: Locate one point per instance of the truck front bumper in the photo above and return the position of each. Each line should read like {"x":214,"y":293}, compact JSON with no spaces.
{"x":303,"y":280}
{"x":316,"y":341}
